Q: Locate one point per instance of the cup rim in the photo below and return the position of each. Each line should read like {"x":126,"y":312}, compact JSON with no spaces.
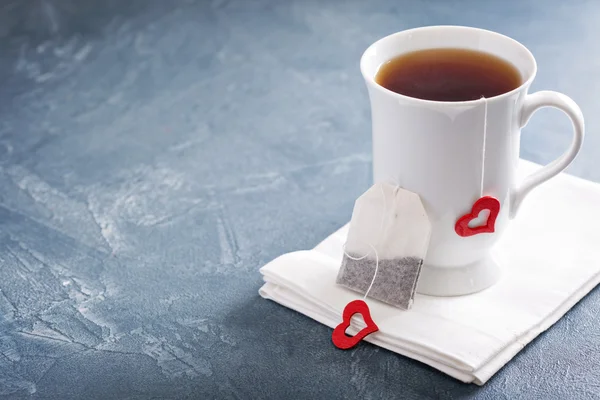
{"x":371,"y":79}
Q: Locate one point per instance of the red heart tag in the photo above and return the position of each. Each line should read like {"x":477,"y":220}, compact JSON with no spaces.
{"x":485,"y":203}
{"x":339,"y":337}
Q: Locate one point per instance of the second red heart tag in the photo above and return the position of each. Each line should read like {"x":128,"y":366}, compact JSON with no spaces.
{"x":339,"y":337}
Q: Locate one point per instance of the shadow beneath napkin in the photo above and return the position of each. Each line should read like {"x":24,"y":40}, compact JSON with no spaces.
{"x":288,"y":355}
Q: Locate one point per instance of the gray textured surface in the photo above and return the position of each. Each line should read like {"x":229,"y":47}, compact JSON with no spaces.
{"x":154,"y":154}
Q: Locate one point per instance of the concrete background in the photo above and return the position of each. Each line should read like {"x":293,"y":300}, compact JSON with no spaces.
{"x":154,"y":154}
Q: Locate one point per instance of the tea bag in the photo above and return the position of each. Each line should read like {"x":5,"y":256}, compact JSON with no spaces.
{"x":387,"y":243}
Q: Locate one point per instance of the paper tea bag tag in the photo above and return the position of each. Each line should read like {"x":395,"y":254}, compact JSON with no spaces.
{"x":389,"y":232}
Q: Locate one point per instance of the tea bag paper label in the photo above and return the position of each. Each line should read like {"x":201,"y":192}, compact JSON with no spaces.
{"x":387,"y":243}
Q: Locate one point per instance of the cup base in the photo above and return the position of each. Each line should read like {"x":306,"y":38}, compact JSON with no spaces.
{"x":458,"y":281}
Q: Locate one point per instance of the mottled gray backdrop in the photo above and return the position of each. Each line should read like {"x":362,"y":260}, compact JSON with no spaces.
{"x":154,"y":154}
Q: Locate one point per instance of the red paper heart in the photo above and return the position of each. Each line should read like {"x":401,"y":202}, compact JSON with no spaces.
{"x":485,"y":203}
{"x":339,"y":337}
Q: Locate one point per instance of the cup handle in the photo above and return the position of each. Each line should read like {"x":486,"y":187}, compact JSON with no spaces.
{"x":531,"y":104}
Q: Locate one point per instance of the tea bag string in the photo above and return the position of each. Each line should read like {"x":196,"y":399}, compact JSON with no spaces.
{"x":485,"y":116}
{"x":376,"y":265}
{"x":374,"y":250}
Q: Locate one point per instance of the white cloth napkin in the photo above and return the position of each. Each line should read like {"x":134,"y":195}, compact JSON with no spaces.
{"x":550,"y":258}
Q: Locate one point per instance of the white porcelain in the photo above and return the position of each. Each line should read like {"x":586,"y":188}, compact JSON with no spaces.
{"x":435,"y":149}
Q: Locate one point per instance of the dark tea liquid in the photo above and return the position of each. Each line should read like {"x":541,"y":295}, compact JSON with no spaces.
{"x":448,"y":75}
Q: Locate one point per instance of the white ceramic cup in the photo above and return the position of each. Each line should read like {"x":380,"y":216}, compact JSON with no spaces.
{"x":435,"y":149}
